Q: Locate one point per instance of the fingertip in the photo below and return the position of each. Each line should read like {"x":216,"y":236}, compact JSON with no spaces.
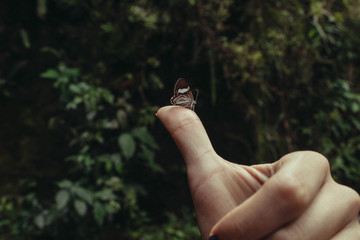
{"x":162,"y":109}
{"x":162,"y":112}
{"x":166,"y":112}
{"x":177,"y":118}
{"x":171,"y":116}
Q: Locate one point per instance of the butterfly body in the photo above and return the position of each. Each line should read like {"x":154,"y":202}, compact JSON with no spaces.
{"x":183,"y":95}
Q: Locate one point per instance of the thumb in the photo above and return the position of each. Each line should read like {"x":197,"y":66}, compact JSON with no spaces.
{"x":189,"y":135}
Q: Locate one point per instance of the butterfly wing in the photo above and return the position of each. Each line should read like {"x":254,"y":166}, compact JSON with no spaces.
{"x":181,"y":86}
{"x":183,"y":95}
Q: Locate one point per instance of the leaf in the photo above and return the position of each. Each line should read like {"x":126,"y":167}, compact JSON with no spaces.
{"x":112,"y":207}
{"x":75,"y":89}
{"x":62,"y":197}
{"x":146,"y":153}
{"x":144,"y":136}
{"x":40,"y":221}
{"x":127,"y":145}
{"x":73,"y":72}
{"x":83,"y":194}
{"x":41,"y":8}
{"x":99,"y":213}
{"x":106,"y":194}
{"x":108,"y":96}
{"x":121,"y":117}
{"x":108,"y":166}
{"x":107,"y":27}
{"x":80,"y":207}
{"x":149,"y":155}
{"x":25,"y":38}
{"x":355,"y":107}
{"x":115,"y":158}
{"x":156,"y":81}
{"x":6,"y":222}
{"x":50,"y":73}
{"x":65,"y":184}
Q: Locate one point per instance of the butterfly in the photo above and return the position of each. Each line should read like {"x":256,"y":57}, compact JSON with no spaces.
{"x":183,"y":95}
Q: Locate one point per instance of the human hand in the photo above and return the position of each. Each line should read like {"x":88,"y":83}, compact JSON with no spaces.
{"x":293,"y":198}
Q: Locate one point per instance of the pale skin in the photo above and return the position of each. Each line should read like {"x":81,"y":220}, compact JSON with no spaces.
{"x":292,"y":198}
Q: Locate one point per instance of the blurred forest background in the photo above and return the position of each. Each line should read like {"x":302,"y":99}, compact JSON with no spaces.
{"x":82,"y":155}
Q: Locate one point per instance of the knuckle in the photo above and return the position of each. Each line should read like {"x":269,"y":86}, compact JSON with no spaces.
{"x":292,"y":194}
{"x":309,"y":157}
{"x":350,"y":197}
{"x":321,"y":161}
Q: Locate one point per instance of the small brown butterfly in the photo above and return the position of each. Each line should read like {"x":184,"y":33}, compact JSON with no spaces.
{"x":183,"y":95}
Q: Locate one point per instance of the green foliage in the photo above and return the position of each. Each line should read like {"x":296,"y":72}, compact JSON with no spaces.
{"x":174,"y":228}
{"x":82,"y":153}
{"x":127,"y":145}
{"x":72,"y":196}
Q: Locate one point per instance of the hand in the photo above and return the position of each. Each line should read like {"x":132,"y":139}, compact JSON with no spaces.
{"x":293,"y":198}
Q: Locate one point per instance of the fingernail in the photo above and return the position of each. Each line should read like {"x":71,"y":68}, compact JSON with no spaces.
{"x":214,"y":237}
{"x":156,"y":114}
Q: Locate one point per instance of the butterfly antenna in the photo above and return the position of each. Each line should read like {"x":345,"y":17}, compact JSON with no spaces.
{"x":197,"y":94}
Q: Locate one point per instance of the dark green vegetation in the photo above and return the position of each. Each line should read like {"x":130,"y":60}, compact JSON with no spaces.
{"x":82,"y":155}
